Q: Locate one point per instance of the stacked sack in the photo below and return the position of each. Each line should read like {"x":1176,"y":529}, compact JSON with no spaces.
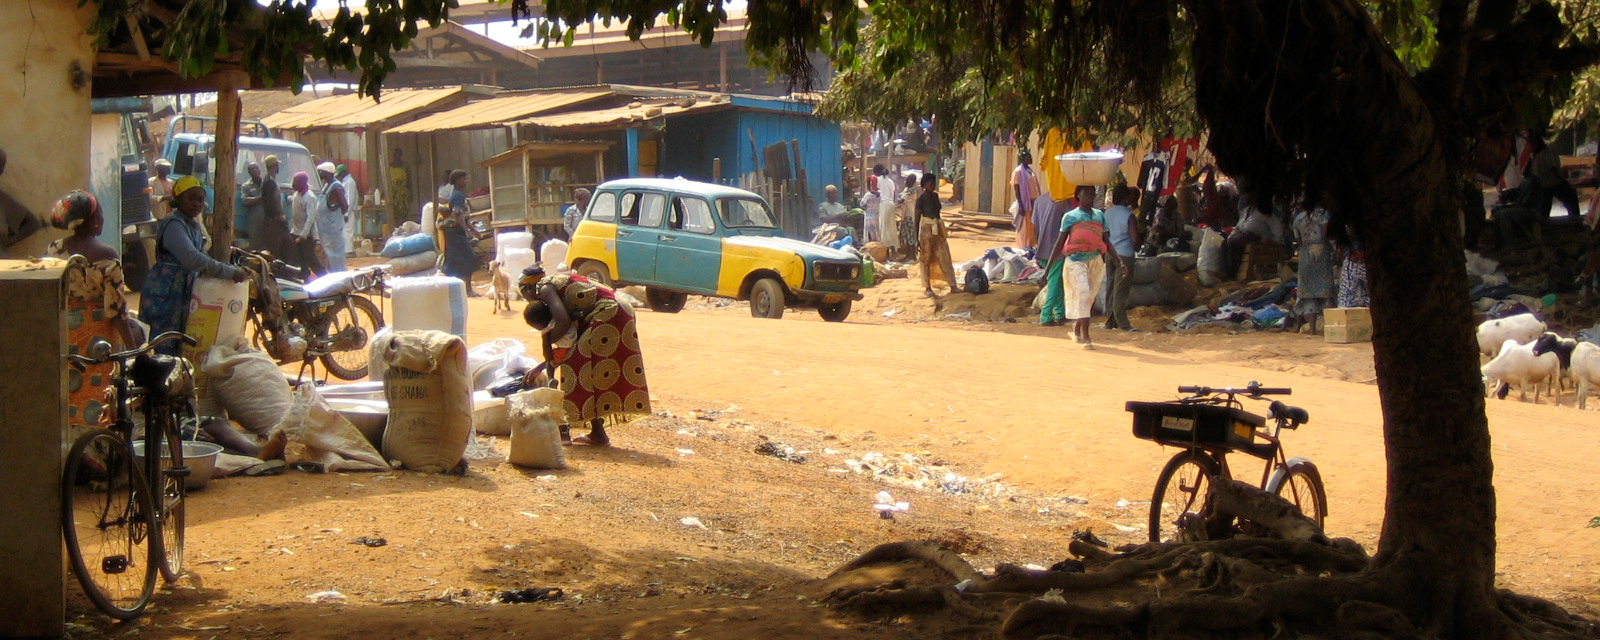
{"x":410,"y":251}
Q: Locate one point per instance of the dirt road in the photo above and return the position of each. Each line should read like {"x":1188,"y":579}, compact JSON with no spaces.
{"x":1016,"y":400}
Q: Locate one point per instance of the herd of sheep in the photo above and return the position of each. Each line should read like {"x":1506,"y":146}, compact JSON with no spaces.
{"x":1524,"y":354}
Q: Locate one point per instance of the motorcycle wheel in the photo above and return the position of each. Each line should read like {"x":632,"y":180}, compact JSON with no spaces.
{"x":350,"y":362}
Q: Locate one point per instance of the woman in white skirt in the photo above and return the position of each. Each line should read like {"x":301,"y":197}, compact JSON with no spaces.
{"x":1083,"y":248}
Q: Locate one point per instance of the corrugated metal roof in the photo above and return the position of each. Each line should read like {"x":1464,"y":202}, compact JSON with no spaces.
{"x":636,"y":112}
{"x":502,"y":110}
{"x":351,"y":110}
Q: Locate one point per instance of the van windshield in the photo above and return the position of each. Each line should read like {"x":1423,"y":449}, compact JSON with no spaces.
{"x":290,"y":161}
{"x":745,"y":213}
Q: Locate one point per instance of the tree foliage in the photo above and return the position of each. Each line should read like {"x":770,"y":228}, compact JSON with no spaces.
{"x":271,"y":42}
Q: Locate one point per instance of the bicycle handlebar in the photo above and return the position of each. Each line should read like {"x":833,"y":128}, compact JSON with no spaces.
{"x":79,"y":362}
{"x":1254,"y":389}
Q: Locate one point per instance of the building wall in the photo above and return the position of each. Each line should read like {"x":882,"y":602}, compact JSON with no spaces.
{"x":44,"y":129}
{"x":693,"y":140}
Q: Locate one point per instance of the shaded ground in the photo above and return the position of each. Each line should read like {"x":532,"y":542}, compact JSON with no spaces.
{"x":981,"y":399}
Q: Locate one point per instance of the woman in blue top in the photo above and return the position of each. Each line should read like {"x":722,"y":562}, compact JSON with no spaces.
{"x":1083,"y":246}
{"x":164,"y":299}
{"x":459,"y":260}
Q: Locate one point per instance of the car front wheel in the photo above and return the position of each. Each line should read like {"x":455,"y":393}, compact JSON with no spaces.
{"x":595,"y":272}
{"x":766,"y":299}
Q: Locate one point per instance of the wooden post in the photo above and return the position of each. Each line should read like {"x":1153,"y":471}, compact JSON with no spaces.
{"x":225,"y":151}
{"x":722,"y":68}
{"x":716,"y":170}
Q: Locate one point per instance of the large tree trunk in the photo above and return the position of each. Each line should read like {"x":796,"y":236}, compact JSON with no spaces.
{"x":1343,"y":114}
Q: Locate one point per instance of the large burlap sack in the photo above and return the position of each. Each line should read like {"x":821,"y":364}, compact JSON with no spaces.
{"x":248,"y":385}
{"x":414,"y":263}
{"x":430,"y":400}
{"x":329,"y":438}
{"x":535,"y":416}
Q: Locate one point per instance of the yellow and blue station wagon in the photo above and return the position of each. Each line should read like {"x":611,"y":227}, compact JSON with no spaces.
{"x":678,"y":237}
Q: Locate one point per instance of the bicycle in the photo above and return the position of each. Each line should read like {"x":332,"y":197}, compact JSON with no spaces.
{"x":119,"y":533}
{"x":1209,"y":424}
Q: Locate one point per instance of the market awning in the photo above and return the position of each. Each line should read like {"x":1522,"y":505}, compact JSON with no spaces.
{"x":625,"y":115}
{"x":351,"y":110}
{"x":502,"y":110}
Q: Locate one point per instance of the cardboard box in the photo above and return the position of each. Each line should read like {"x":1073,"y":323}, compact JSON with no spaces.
{"x":1344,"y":325}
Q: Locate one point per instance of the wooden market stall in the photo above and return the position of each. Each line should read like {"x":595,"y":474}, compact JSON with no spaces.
{"x":531,"y":184}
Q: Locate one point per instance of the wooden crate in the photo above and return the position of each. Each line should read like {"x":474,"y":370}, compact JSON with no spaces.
{"x":1344,"y":325}
{"x":1261,"y":262}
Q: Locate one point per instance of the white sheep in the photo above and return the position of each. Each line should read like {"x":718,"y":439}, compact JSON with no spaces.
{"x":1518,"y":364}
{"x":1523,"y":328}
{"x":1580,"y":361}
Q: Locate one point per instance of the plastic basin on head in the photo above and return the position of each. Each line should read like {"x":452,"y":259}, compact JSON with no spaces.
{"x":1090,"y":168}
{"x":200,"y":457}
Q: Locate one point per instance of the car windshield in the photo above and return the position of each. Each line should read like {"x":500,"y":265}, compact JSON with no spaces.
{"x":745,"y":213}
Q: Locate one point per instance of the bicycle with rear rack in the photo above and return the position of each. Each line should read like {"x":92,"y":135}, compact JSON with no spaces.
{"x":122,"y":493}
{"x":1208,"y":424}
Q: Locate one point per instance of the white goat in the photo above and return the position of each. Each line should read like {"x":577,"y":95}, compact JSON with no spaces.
{"x":1580,"y":361}
{"x":1517,"y":364}
{"x":1523,"y":328}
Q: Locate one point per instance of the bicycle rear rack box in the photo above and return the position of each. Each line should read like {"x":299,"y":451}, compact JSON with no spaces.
{"x":1194,"y":424}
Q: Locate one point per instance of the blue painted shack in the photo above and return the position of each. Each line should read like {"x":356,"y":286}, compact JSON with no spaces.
{"x":773,"y":146}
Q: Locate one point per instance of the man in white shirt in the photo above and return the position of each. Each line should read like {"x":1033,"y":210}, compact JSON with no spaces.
{"x":161,"y":190}
{"x":352,"y":217}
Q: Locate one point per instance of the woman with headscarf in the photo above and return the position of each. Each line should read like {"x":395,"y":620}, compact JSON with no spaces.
{"x":459,"y":259}
{"x":303,"y":226}
{"x":1316,"y":274}
{"x":332,"y":211}
{"x":95,"y":306}
{"x":591,"y":348}
{"x":180,"y":258}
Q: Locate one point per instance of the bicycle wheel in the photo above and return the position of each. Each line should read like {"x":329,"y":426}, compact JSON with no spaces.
{"x":1299,"y":482}
{"x":358,"y":321}
{"x":106,"y":519}
{"x":1183,"y":494}
{"x":172,"y":497}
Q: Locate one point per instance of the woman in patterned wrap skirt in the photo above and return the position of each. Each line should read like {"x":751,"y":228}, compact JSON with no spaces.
{"x":591,"y":348}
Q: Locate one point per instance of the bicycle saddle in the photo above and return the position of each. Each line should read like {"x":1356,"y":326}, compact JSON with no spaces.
{"x":166,"y":376}
{"x":1295,"y":415}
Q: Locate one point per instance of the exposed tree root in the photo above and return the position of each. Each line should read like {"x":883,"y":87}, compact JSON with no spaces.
{"x":1240,"y":586}
{"x":1235,"y":498}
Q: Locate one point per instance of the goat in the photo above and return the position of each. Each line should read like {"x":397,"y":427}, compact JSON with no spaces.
{"x":499,"y":286}
{"x":1523,"y":328}
{"x":1518,"y":364}
{"x":1580,"y":361}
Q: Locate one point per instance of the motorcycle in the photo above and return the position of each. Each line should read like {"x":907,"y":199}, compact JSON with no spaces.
{"x":331,"y":319}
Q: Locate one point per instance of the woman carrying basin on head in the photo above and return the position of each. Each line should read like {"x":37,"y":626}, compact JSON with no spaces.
{"x":591,"y":349}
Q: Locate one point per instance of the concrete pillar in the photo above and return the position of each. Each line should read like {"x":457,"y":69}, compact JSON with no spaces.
{"x":33,"y":338}
{"x":45,"y":66}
